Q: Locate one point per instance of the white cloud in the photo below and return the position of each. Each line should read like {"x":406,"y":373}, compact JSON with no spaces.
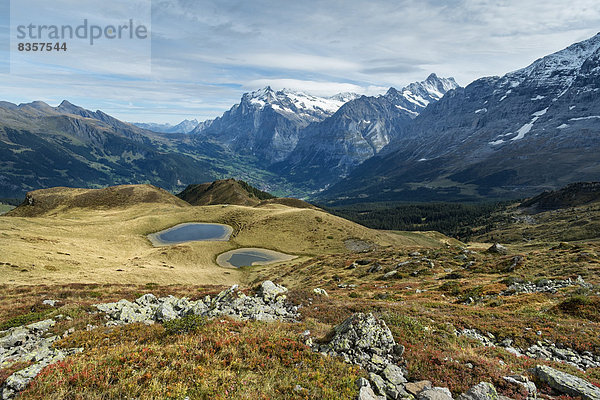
{"x":205,"y":54}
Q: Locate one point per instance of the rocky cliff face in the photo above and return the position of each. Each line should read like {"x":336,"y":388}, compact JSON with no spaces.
{"x":266,"y":123}
{"x":500,"y":137}
{"x":361,"y":128}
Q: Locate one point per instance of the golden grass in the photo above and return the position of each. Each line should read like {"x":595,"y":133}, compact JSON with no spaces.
{"x":110,"y":245}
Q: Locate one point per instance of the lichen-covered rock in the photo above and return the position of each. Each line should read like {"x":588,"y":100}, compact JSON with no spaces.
{"x":415,"y":388}
{"x":481,"y":391}
{"x":268,"y":305}
{"x":363,"y":332}
{"x":269,"y":291}
{"x":165,"y":312}
{"x":435,"y":393}
{"x":566,"y":383}
{"x":365,"y":392}
{"x":394,"y":374}
{"x":524,"y":382}
{"x":365,"y":340}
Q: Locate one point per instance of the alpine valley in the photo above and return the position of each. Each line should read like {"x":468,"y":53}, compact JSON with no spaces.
{"x":498,"y":138}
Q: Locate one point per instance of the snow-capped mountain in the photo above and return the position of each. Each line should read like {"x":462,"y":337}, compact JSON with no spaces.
{"x":266,"y":123}
{"x":533,"y":129}
{"x":330,"y":149}
{"x":185,"y":126}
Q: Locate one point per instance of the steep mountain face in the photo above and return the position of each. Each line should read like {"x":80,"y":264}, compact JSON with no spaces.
{"x":185,"y":126}
{"x":500,"y":137}
{"x":43,"y":146}
{"x":328,"y":150}
{"x":266,"y":123}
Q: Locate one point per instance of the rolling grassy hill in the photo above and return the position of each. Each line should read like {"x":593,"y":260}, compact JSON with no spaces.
{"x":89,"y":235}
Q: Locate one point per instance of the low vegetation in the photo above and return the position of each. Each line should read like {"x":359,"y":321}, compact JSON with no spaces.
{"x":425,"y":286}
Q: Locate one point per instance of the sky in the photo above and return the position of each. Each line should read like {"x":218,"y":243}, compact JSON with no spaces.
{"x":202,"y":56}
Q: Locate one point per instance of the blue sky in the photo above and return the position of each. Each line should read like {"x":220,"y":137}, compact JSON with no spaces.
{"x":204,"y":55}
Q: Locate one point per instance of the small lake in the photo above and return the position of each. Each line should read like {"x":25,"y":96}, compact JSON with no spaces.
{"x":251,"y":256}
{"x":191,"y":232}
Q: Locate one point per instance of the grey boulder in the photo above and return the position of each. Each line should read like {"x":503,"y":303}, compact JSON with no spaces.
{"x":481,"y":391}
{"x":566,"y":383}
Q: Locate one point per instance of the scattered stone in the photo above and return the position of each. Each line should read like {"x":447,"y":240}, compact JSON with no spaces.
{"x":51,"y":303}
{"x":524,"y":382}
{"x":481,"y":391}
{"x":473,"y":334}
{"x":269,"y":290}
{"x":268,"y":305}
{"x":375,"y":268}
{"x":390,"y":274}
{"x":566,"y":383}
{"x":544,"y":286}
{"x":542,"y":350}
{"x":29,"y":343}
{"x":497,"y":248}
{"x":321,"y":292}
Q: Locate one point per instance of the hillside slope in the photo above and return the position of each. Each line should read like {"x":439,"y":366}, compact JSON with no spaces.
{"x":54,"y":201}
{"x":99,"y":236}
{"x":500,"y":137}
{"x":227,"y":191}
{"x":576,"y":194}
{"x":43,"y":146}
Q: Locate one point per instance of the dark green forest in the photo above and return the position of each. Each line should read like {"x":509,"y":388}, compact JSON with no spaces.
{"x":452,"y":219}
{"x":256,"y":192}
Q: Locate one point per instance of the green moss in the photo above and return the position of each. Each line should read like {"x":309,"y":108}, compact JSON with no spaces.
{"x":25,"y":319}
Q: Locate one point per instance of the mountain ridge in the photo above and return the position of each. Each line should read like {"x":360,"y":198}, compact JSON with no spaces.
{"x":328,"y":150}
{"x":487,"y":140}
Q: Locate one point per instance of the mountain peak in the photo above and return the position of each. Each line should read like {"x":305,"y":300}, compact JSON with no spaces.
{"x":416,"y":96}
{"x":556,"y":69}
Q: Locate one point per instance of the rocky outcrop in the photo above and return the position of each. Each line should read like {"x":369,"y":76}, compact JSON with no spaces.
{"x":566,"y":383}
{"x":497,"y":248}
{"x":542,"y":350}
{"x":365,"y":340}
{"x":267,"y":305}
{"x":29,"y":344}
{"x":544,"y":286}
{"x":33,"y":344}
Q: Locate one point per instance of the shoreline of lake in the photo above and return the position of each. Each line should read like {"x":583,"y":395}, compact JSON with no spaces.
{"x":158,"y":238}
{"x":253,"y":256}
